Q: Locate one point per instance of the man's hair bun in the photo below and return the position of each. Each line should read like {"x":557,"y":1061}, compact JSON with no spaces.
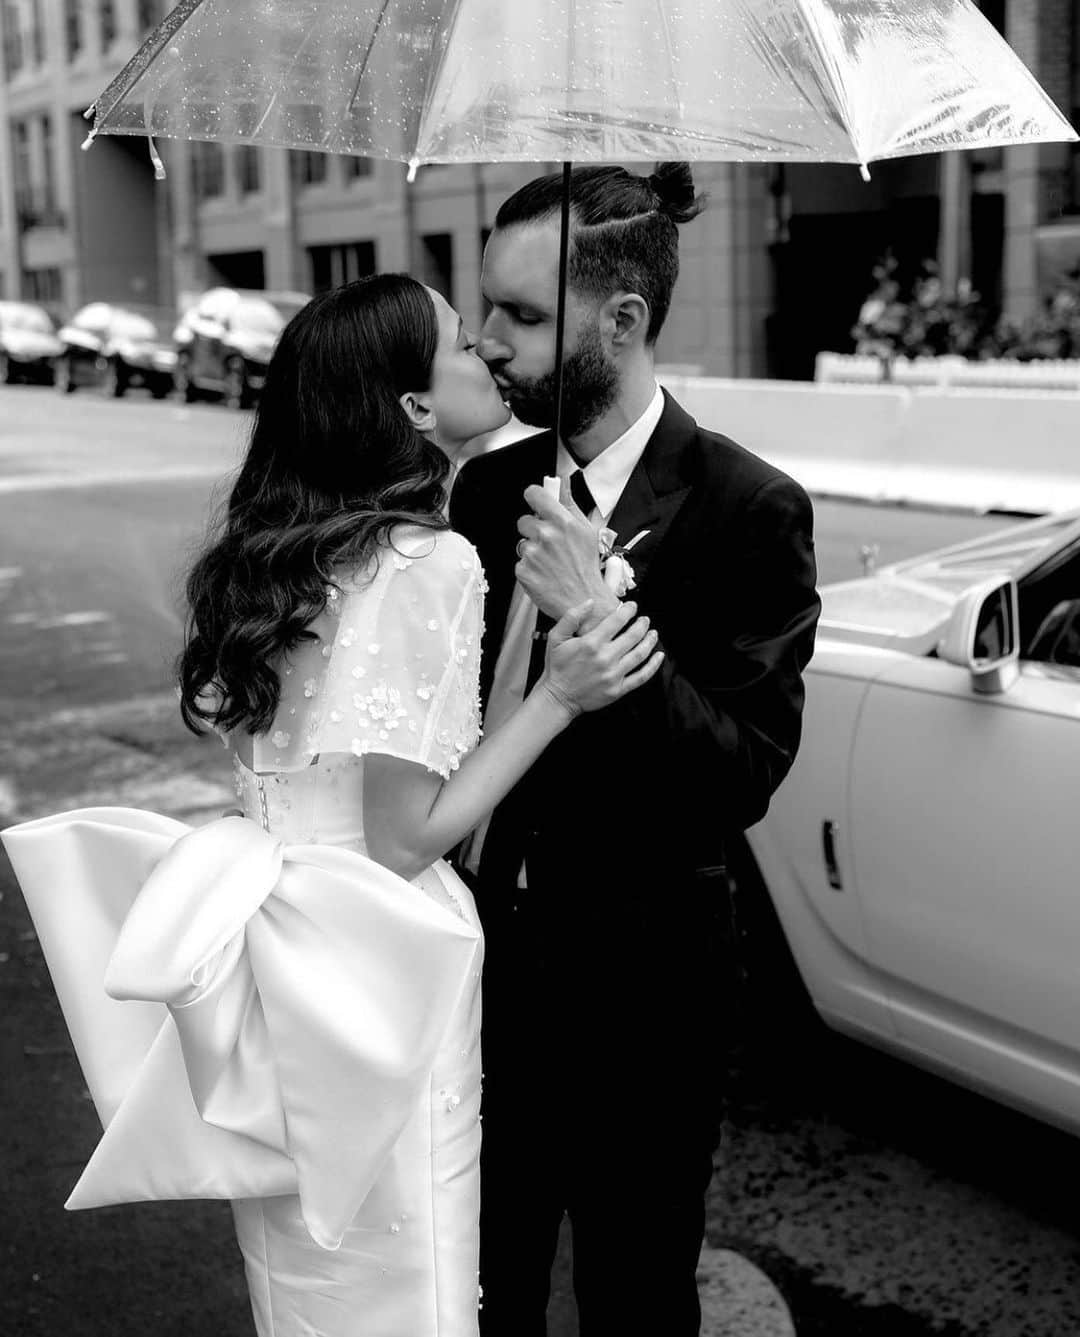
{"x":673,"y":183}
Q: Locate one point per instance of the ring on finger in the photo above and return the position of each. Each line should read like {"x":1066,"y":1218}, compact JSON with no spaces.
{"x":521,"y":548}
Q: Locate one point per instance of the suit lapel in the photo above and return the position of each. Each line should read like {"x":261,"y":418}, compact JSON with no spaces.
{"x":657,"y":487}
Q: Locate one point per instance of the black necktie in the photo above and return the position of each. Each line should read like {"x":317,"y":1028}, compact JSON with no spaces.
{"x":579,"y":490}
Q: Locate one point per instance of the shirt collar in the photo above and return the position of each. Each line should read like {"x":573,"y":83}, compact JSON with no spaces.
{"x":609,"y":473}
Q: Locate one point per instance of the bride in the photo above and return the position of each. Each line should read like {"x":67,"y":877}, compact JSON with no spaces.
{"x":328,"y":1029}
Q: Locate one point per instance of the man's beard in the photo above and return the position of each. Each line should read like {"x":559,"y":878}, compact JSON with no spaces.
{"x":590,"y":387}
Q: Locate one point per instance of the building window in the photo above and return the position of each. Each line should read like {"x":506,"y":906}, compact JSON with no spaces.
{"x":437,"y":263}
{"x":208,"y":167}
{"x":355,"y":168}
{"x":37,"y":31}
{"x":247,"y":169}
{"x":21,"y":172}
{"x":43,"y":285}
{"x":331,"y":266}
{"x":146,"y":14}
{"x":107,"y":23}
{"x":51,"y":213}
{"x":73,"y":29}
{"x":13,"y":43}
{"x":308,"y":169}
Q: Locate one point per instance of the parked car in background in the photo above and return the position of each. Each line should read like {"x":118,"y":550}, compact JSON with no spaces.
{"x":919,"y":865}
{"x":28,"y":343}
{"x":224,"y":342}
{"x":117,"y":347}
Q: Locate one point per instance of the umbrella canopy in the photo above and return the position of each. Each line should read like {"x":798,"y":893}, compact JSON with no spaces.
{"x":443,"y":81}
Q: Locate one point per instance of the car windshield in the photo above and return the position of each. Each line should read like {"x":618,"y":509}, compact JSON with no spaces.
{"x":141,"y":324}
{"x":29,"y":319}
{"x":1006,"y":552}
{"x":264,"y":315}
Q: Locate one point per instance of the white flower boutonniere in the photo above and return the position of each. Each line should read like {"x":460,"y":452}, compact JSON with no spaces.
{"x":615,"y":564}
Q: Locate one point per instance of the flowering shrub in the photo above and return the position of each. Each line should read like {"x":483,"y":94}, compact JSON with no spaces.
{"x":928,"y":322}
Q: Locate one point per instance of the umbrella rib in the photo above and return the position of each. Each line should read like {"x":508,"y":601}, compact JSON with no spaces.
{"x":807,"y":9}
{"x":145,"y":56}
{"x":366,"y":59}
{"x":671,"y":56}
{"x":281,"y":84}
{"x":434,"y":75}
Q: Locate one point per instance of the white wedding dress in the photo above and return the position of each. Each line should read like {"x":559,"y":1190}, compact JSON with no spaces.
{"x":301,"y":1034}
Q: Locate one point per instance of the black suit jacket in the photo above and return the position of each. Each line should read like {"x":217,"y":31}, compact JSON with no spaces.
{"x":628,"y":810}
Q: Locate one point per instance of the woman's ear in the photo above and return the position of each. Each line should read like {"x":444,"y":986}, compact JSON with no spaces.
{"x":419,"y":412}
{"x":626,"y":315}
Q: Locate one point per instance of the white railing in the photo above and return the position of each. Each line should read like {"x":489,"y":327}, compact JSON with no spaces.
{"x":949,"y":372}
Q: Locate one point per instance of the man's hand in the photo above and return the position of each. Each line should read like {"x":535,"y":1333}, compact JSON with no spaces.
{"x":559,"y":558}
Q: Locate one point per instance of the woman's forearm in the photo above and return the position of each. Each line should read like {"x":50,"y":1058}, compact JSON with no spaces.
{"x":408,"y":839}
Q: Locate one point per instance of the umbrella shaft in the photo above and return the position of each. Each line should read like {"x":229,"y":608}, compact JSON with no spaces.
{"x":560,"y":308}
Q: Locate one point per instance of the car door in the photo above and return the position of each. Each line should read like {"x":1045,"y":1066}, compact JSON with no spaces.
{"x":83,"y":340}
{"x":965,"y":833}
{"x":207,"y":324}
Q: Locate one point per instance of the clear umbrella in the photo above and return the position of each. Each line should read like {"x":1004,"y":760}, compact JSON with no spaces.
{"x":444,"y":81}
{"x":440,"y":81}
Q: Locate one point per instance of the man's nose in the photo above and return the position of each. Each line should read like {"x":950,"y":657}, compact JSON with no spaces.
{"x":493,"y":350}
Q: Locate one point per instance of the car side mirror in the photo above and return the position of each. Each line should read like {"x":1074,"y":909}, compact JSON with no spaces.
{"x":983,"y":636}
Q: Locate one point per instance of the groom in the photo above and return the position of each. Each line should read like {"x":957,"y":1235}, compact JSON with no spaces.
{"x":600,"y":880}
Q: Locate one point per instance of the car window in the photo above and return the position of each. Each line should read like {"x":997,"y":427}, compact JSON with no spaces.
{"x":29,"y":319}
{"x":1049,"y":596}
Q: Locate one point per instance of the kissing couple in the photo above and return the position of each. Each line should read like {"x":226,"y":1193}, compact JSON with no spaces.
{"x":579,"y":697}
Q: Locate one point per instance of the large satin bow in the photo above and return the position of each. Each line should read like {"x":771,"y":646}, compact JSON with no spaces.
{"x":286,"y":1005}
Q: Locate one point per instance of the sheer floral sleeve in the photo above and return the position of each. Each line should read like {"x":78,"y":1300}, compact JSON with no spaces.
{"x":396,"y":667}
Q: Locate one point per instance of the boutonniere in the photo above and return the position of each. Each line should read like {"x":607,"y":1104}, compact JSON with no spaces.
{"x":615,"y":564}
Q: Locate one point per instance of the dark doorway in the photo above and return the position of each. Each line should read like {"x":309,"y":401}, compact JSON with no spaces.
{"x":237,"y":269}
{"x":988,"y":247}
{"x":823,"y":272}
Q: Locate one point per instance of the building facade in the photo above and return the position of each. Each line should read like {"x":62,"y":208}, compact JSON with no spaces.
{"x":774,"y":270}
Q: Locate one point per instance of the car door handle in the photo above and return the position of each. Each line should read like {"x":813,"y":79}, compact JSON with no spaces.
{"x":828,"y":849}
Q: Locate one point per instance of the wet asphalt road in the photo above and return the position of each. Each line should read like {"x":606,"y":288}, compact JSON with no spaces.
{"x":879,"y":1200}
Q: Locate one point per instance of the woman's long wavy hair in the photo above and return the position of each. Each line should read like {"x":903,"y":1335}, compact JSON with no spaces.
{"x":332,"y":465}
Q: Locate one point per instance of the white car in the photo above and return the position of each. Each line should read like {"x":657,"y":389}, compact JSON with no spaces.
{"x":28,"y":343}
{"x":923,"y":856}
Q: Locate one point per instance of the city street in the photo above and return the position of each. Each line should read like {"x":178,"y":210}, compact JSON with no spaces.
{"x":881,"y":1202}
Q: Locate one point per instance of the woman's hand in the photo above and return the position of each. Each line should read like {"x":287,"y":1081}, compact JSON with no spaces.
{"x":590,"y":671}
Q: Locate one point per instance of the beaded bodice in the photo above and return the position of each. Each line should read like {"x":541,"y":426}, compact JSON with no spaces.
{"x":392,"y":666}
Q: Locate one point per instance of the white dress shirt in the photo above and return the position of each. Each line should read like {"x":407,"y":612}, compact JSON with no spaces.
{"x":607,"y":476}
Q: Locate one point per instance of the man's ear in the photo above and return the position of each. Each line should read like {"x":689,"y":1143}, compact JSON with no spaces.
{"x":626,"y":317}
{"x":418,"y":410}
